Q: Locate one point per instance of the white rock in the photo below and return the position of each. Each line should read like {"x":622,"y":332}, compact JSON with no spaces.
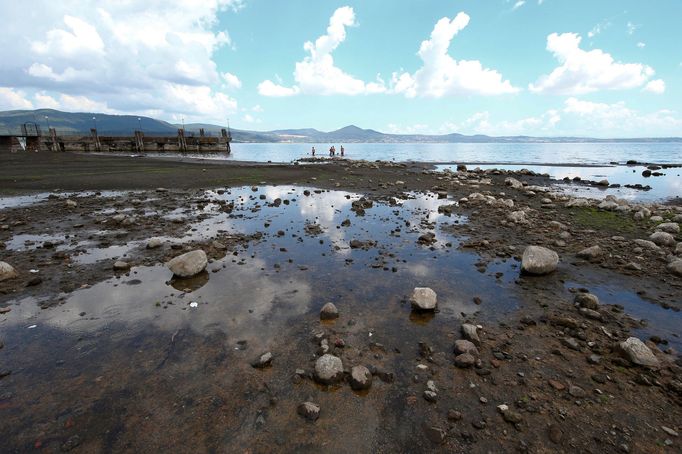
{"x":360,"y":378}
{"x":154,"y":243}
{"x":539,"y":260}
{"x":189,"y":264}
{"x":71,"y":203}
{"x":329,"y":312}
{"x":590,"y":253}
{"x":638,"y":353}
{"x":647,"y":244}
{"x":7,"y":271}
{"x":423,"y":298}
{"x":470,"y":333}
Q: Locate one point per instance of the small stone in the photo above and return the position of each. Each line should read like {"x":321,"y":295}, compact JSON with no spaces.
{"x":554,"y":433}
{"x":7,"y":271}
{"x":576,"y":391}
{"x":262,"y":361}
{"x":309,"y":411}
{"x":120,"y":265}
{"x":675,"y":267}
{"x":465,"y":360}
{"x":454,"y":415}
{"x":669,"y":431}
{"x":423,"y":299}
{"x":638,"y":353}
{"x":71,"y":203}
{"x":430,"y":396}
{"x":663,"y":239}
{"x":470,"y":333}
{"x":594,"y":359}
{"x":571,"y":343}
{"x":556,"y":385}
{"x":329,"y":312}
{"x":434,"y":434}
{"x":587,"y":300}
{"x":590,"y":253}
{"x":464,"y":346}
{"x":154,"y":243}
{"x":360,"y":378}
{"x":328,"y":369}
{"x":189,"y":264}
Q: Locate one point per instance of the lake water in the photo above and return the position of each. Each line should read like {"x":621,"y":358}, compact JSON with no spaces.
{"x":492,"y":153}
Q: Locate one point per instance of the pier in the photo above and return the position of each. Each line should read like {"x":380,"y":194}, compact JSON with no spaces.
{"x":31,"y":138}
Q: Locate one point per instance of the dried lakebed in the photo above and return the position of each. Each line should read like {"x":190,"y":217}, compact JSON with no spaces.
{"x":94,"y":358}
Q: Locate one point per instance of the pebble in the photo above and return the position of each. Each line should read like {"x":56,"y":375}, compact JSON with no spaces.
{"x":423,"y":299}
{"x":309,"y":411}
{"x":328,"y":369}
{"x":360,"y":378}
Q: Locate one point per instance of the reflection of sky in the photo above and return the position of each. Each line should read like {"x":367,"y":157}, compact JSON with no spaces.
{"x":668,"y":185}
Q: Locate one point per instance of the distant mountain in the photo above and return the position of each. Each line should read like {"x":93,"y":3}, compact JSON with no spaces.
{"x":68,"y":123}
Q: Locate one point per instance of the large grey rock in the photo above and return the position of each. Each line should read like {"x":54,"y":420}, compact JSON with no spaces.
{"x":675,"y":267}
{"x":329,"y":312}
{"x":638,"y":353}
{"x":670,"y":227}
{"x":678,"y":249}
{"x":539,"y":260}
{"x":590,"y":253}
{"x":189,"y":264}
{"x":360,"y":378}
{"x":513,"y":182}
{"x":328,"y":369}
{"x":663,"y":239}
{"x":470,"y":333}
{"x":423,"y":299}
{"x":7,"y":271}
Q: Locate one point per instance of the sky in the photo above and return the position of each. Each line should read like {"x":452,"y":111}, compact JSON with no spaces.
{"x":608,"y":68}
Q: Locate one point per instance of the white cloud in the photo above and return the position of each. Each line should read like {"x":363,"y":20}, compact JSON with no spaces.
{"x":641,"y":45}
{"x":583,"y":71}
{"x":576,"y":117}
{"x":518,"y":5}
{"x":441,"y":75}
{"x":257,"y":108}
{"x":632,"y":28}
{"x":317,"y":73}
{"x":129,"y":57}
{"x":655,"y":86}
{"x":231,"y":80}
{"x":11,"y":99}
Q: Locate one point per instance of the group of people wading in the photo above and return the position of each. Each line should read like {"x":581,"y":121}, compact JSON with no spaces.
{"x":332,"y":151}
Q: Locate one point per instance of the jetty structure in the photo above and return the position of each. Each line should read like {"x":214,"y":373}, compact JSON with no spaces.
{"x":30,"y":137}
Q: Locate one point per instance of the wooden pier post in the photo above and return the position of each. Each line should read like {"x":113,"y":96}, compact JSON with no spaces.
{"x":139,"y":141}
{"x":95,"y":140}
{"x":54,"y":144}
{"x":182,"y":143}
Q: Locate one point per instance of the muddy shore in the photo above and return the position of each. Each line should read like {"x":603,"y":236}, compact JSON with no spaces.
{"x":103,"y":349}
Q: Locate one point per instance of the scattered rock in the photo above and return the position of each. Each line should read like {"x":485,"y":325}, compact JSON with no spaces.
{"x":423,"y":299}
{"x":120,"y":265}
{"x":328,"y":369}
{"x":329,"y":312}
{"x":264,"y":360}
{"x":470,"y":333}
{"x":670,"y":227}
{"x":360,"y":378}
{"x":464,"y":346}
{"x":7,"y":271}
{"x":154,"y":243}
{"x":465,"y":360}
{"x":638,"y":353}
{"x":675,"y":267}
{"x":189,"y":264}
{"x":309,"y":411}
{"x":590,"y":253}
{"x":539,"y":260}
{"x":663,"y":239}
{"x":587,"y":300}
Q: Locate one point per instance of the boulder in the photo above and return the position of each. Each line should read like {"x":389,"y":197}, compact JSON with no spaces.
{"x":120,"y":265}
{"x":7,"y":271}
{"x":360,"y":378}
{"x":423,"y":299}
{"x":663,"y":239}
{"x":646,"y":244}
{"x":189,"y":264}
{"x":465,"y":360}
{"x":328,"y":369}
{"x":638,"y":353}
{"x":329,"y":312}
{"x":539,"y":260}
{"x":262,"y":361}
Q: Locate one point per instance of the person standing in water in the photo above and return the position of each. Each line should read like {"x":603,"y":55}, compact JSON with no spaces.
{"x":313,"y":151}
{"x":342,"y":150}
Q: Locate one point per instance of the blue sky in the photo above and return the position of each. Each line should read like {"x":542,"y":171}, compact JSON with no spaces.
{"x":498,"y":67}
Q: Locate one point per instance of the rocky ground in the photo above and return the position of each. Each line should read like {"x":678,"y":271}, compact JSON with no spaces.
{"x":567,"y":370}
